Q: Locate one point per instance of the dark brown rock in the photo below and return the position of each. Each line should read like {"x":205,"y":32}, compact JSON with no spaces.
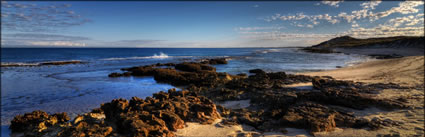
{"x":115,"y":74}
{"x":256,"y":71}
{"x":215,"y":61}
{"x":37,"y":122}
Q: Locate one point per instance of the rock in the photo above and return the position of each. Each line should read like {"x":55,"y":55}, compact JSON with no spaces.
{"x":161,"y":95}
{"x":277,"y":75}
{"x":273,"y":106}
{"x":127,"y":74}
{"x":377,"y":123}
{"x":172,"y":120}
{"x":194,"y":67}
{"x":316,"y":118}
{"x":115,"y":74}
{"x":160,"y":115}
{"x":89,"y":124}
{"x":223,"y":111}
{"x":36,"y":122}
{"x":385,"y":56}
{"x":242,"y":75}
{"x":319,"y":83}
{"x":189,"y":67}
{"x":142,"y":71}
{"x":215,"y":61}
{"x":256,"y":71}
{"x":61,"y":62}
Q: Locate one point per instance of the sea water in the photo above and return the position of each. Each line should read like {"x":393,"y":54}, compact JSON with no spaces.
{"x":78,"y":88}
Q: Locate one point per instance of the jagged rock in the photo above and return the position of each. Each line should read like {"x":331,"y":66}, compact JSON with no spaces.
{"x":191,"y":67}
{"x":37,"y":122}
{"x":142,"y":71}
{"x":160,"y":115}
{"x":316,"y":118}
{"x":172,"y":120}
{"x":256,"y":71}
{"x":115,"y":74}
{"x":165,"y":64}
{"x":277,"y":75}
{"x":274,"y":101}
{"x":377,"y":123}
{"x":242,"y":75}
{"x":61,"y":62}
{"x":215,"y":61}
{"x":319,"y":83}
{"x":90,"y":124}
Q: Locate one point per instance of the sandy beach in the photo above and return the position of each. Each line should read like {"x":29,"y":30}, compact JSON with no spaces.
{"x":407,"y":71}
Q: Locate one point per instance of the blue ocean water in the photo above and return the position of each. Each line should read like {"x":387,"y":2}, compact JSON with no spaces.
{"x":78,"y":88}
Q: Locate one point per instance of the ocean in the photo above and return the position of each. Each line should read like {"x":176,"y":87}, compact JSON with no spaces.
{"x":78,"y":88}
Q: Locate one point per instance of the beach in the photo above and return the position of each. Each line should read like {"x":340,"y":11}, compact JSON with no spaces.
{"x":27,"y":85}
{"x":326,"y":68}
{"x":379,"y":97}
{"x":405,"y":71}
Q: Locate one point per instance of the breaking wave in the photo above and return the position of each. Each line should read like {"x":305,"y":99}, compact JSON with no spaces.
{"x":267,"y":51}
{"x":161,"y":55}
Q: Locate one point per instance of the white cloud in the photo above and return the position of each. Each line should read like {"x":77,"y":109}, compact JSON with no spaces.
{"x":370,"y":4}
{"x":385,"y":31}
{"x":333,"y":3}
{"x":42,"y":39}
{"x":312,"y":19}
{"x":18,"y":16}
{"x":406,"y":7}
{"x":258,"y":28}
{"x":57,"y":43}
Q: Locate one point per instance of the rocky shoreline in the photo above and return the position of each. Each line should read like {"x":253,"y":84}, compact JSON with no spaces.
{"x":273,"y":105}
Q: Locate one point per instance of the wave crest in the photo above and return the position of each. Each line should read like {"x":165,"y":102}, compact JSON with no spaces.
{"x":161,"y":55}
{"x":267,"y":51}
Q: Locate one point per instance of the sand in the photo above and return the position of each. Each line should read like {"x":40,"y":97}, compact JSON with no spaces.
{"x":406,"y":71}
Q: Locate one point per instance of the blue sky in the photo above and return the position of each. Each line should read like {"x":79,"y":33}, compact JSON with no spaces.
{"x":203,"y":24}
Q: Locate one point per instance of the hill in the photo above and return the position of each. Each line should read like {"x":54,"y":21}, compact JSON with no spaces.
{"x":404,"y":45}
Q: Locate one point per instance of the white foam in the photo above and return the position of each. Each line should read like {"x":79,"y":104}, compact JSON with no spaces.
{"x":10,"y":64}
{"x":267,"y":51}
{"x":155,"y":56}
{"x":161,"y":55}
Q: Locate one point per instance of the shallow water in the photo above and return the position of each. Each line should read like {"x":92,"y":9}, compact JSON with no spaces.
{"x":78,"y":88}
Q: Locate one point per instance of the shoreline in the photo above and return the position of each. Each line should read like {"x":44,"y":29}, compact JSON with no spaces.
{"x":237,"y":105}
{"x":411,"y":117}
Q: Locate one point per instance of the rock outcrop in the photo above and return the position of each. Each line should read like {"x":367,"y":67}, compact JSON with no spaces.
{"x":154,"y":116}
{"x":273,"y":106}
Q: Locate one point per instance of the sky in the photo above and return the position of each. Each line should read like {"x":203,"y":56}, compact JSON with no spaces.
{"x":209,"y":24}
